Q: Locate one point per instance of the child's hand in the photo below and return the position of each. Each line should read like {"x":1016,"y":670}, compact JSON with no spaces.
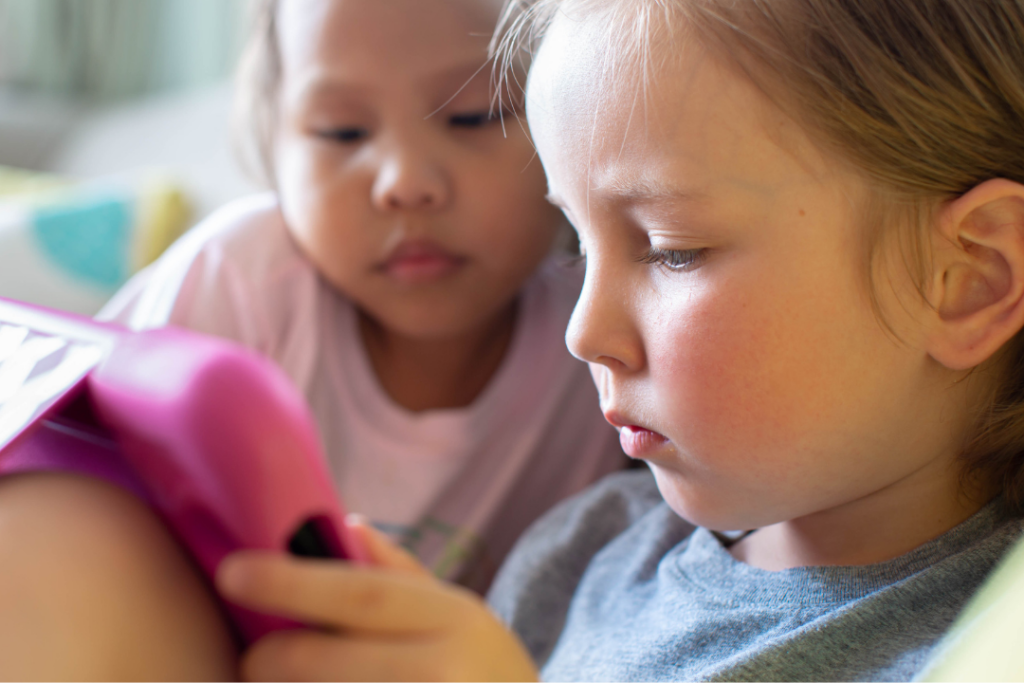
{"x":393,"y":621}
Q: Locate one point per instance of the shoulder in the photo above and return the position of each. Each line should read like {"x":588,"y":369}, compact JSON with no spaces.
{"x":585,"y":523}
{"x":533,"y":591}
{"x":248,"y":235}
{"x":989,"y":625}
{"x":247,"y":229}
{"x":218,"y":276}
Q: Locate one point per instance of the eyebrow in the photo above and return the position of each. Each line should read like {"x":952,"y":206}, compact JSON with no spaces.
{"x":458,"y":73}
{"x":321,"y":86}
{"x":645,"y":190}
{"x":456,"y":77}
{"x":461,"y":74}
{"x":637,"y":190}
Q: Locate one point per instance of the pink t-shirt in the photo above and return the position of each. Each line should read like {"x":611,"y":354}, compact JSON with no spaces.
{"x":456,"y":486}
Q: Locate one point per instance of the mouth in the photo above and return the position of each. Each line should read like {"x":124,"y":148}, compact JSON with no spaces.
{"x":420,"y":262}
{"x":637,"y":442}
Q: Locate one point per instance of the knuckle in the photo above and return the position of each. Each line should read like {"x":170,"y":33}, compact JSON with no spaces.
{"x":370,"y":597}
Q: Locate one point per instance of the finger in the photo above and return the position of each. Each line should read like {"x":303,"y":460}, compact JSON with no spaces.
{"x":339,"y":595}
{"x":383,"y":552}
{"x":315,"y":656}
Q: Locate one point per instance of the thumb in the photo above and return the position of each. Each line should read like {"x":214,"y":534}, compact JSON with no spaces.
{"x":382,"y":550}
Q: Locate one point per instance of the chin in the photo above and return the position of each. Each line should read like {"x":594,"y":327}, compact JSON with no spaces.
{"x":429,"y":323}
{"x":707,"y":507}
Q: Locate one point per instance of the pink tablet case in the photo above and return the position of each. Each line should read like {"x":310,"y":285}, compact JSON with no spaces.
{"x":212,"y":435}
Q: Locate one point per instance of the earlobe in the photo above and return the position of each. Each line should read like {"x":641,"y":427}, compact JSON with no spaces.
{"x":978,"y":282}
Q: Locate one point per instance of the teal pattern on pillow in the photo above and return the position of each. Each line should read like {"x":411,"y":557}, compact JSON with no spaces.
{"x":88,"y":237}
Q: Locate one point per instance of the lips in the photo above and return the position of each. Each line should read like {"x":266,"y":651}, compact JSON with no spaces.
{"x":637,"y":442}
{"x":641,"y":443}
{"x":420,"y":262}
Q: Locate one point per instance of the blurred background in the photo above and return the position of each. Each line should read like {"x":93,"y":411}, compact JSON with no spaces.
{"x":114,"y":137}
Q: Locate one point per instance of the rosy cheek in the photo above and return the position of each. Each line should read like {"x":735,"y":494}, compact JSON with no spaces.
{"x":720,"y":370}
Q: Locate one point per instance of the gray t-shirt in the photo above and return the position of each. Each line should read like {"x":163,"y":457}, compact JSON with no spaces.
{"x":612,"y":585}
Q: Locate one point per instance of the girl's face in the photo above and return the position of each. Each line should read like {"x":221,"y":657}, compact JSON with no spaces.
{"x":726,"y":314}
{"x":391,"y":176}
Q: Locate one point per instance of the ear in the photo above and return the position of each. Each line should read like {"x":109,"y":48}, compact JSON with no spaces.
{"x":977,"y":287}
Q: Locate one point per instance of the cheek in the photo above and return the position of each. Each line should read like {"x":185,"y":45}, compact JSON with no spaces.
{"x":709,"y":367}
{"x":326,"y":213}
{"x":504,"y":172}
{"x":748,"y":367}
{"x":316,"y":198}
{"x":501,"y":201}
{"x":299,"y":183}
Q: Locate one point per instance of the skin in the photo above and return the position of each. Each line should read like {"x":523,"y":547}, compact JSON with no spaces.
{"x":385,"y":139}
{"x":93,"y":588}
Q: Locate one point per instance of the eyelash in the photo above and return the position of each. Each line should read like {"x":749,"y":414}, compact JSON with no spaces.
{"x":674,"y":259}
{"x":345,"y":136}
{"x":681,"y":260}
{"x":349,"y":136}
{"x":478,"y":120}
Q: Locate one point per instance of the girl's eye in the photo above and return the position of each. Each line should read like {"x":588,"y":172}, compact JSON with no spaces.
{"x":673,"y":259}
{"x":472,"y":120}
{"x":344,"y":135}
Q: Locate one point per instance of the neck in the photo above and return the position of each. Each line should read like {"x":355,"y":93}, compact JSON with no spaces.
{"x":879,"y":527}
{"x":430,"y":374}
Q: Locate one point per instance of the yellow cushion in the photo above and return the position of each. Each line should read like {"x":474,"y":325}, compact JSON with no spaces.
{"x":15,"y":182}
{"x":161,"y":211}
{"x":70,"y":245}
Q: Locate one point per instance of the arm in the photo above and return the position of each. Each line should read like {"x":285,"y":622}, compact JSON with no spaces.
{"x":92,"y":586}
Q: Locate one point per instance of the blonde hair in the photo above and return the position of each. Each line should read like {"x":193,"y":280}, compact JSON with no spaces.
{"x":257,"y":86}
{"x":924,"y":97}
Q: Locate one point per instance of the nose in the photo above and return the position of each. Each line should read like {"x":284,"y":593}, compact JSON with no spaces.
{"x":602,"y":328}
{"x":409,"y":178}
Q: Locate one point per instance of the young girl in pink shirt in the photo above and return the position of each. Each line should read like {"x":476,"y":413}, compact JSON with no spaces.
{"x":403,"y":274}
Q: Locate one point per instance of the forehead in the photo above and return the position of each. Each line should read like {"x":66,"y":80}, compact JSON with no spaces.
{"x":374,"y":39}
{"x":666,"y":118}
